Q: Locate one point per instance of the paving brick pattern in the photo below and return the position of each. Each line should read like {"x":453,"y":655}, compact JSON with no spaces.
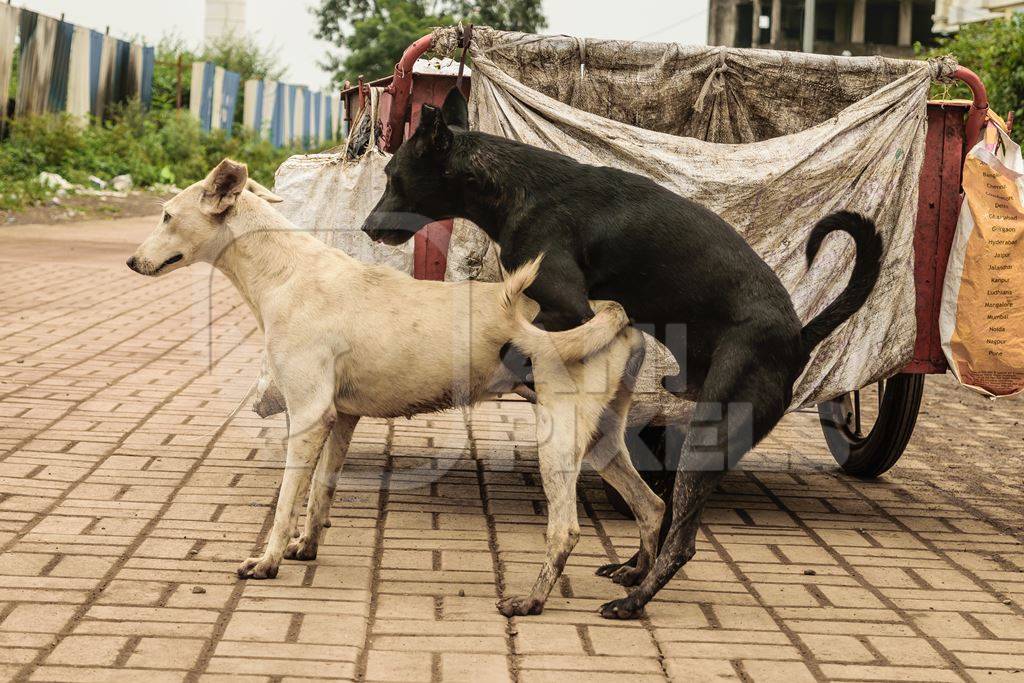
{"x":122,"y":519}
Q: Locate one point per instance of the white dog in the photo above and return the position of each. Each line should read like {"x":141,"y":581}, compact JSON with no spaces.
{"x":345,"y":340}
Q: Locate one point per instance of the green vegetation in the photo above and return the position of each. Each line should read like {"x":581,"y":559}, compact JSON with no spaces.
{"x":995,"y":51}
{"x":372,"y":34}
{"x":158,"y":147}
{"x":161,"y":146}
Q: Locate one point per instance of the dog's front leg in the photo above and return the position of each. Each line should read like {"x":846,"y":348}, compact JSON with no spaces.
{"x":307,"y":431}
{"x":321,"y":489}
{"x":560,"y":457}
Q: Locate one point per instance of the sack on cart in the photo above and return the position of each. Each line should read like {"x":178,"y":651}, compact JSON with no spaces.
{"x":982,"y":318}
{"x":331,"y":194}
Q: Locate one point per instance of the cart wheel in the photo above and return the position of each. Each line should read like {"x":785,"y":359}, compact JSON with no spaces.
{"x":647,"y":448}
{"x":867,"y":430}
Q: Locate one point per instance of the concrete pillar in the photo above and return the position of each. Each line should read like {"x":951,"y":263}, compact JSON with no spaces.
{"x":755,"y":30}
{"x":728,"y":35}
{"x":906,"y":22}
{"x":713,"y":22}
{"x":808,"y":42}
{"x":776,"y":28}
{"x":842,"y":22}
{"x":857,"y":21}
{"x":722,"y":23}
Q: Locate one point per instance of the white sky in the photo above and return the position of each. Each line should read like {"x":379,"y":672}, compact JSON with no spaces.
{"x":288,"y":25}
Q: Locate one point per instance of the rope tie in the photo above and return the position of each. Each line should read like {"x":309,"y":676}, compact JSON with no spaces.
{"x":715,"y":82}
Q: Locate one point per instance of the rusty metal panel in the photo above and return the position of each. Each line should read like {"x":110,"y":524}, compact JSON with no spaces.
{"x":926,"y":237}
{"x":383,"y":110}
{"x":938,"y":210}
{"x":954,"y":151}
{"x":430,"y":245}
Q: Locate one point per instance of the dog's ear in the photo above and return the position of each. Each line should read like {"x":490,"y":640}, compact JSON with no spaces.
{"x":222,"y":187}
{"x":262,"y":192}
{"x":433,"y":135}
{"x":455,"y":110}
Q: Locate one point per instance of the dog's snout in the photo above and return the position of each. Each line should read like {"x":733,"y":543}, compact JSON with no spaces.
{"x":371,"y":224}
{"x":133,"y":264}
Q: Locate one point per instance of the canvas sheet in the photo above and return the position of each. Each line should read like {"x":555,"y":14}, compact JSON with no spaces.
{"x":772,"y":141}
{"x":331,"y":194}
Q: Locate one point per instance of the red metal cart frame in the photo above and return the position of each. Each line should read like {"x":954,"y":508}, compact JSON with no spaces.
{"x":952,"y":129}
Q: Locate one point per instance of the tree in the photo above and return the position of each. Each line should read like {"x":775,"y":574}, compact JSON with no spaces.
{"x":995,"y":51}
{"x":372,"y":34}
{"x":510,"y":15}
{"x":245,"y":56}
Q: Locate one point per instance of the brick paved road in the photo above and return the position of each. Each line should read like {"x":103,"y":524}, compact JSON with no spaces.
{"x":121,"y":523}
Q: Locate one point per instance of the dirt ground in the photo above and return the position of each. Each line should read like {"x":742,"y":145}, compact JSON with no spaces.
{"x":84,"y":207}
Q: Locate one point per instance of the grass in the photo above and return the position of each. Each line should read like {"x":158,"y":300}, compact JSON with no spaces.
{"x":156,"y":147}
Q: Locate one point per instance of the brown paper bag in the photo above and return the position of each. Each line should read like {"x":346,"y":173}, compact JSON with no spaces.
{"x":982,"y":317}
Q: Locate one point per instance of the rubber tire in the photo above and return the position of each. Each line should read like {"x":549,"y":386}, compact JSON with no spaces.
{"x":880,"y":448}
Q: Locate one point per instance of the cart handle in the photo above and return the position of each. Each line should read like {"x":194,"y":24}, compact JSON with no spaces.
{"x":400,"y":89}
{"x":979,"y":108}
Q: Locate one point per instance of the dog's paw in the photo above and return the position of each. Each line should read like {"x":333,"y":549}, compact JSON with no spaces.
{"x":608,"y":570}
{"x":623,"y":608}
{"x":628,"y":576}
{"x":302,"y":548}
{"x":258,"y":568}
{"x":520,"y":607}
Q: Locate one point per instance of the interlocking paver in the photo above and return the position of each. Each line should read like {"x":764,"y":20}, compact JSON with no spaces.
{"x":125,"y":506}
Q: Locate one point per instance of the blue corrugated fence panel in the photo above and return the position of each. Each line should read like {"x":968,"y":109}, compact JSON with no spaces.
{"x":95,"y":58}
{"x":148,"y":66}
{"x":258,"y":118}
{"x":61,"y":63}
{"x":206,"y":103}
{"x":229,"y":100}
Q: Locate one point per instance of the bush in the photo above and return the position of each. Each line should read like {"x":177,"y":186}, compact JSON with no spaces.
{"x":158,"y":147}
{"x":995,"y":51}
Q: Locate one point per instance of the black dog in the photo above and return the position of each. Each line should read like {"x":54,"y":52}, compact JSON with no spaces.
{"x":673,"y":264}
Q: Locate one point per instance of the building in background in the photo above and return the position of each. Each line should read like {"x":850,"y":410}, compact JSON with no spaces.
{"x":224,"y":18}
{"x":860,"y":27}
{"x":950,"y":15}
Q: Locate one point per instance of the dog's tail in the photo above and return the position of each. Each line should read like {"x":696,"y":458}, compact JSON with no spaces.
{"x":568,"y":345}
{"x":866,"y":268}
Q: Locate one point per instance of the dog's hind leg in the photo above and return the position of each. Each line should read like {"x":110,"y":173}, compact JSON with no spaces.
{"x":321,"y":489}
{"x":649,"y":447}
{"x":611,"y":459}
{"x":610,"y":456}
{"x":746,"y":393}
{"x":307,"y":431}
{"x":560,"y":457}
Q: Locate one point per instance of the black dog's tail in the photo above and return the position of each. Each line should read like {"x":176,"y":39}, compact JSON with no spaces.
{"x":866,"y":268}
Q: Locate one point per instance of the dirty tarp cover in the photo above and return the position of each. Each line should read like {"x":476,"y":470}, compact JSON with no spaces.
{"x":770,"y":140}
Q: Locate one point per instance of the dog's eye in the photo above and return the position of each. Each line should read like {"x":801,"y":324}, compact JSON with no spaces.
{"x":167,"y":217}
